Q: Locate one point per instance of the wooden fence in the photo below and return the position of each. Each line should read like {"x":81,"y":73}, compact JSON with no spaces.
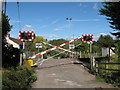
{"x":106,"y":68}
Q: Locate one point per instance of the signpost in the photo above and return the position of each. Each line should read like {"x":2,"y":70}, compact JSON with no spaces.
{"x":39,"y":45}
{"x":89,"y":39}
{"x":71,"y":46}
{"x":25,"y":36}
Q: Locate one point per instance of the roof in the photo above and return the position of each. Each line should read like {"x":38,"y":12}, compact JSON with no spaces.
{"x":16,"y":41}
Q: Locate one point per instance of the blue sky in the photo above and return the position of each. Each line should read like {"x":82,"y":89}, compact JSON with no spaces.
{"x":48,"y":19}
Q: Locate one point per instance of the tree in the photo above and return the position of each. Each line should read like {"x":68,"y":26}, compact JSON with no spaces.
{"x":117,"y":49}
{"x":56,"y":43}
{"x":84,"y":47}
{"x":10,"y":55}
{"x":105,"y":41}
{"x":31,"y":46}
{"x":112,"y":11}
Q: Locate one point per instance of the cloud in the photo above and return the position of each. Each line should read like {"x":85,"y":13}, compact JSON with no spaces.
{"x":80,"y":4}
{"x":44,"y":26}
{"x":52,"y":23}
{"x":28,"y":27}
{"x":57,"y":29}
{"x":61,"y":28}
{"x":15,"y":21}
{"x":95,"y":6}
{"x":96,"y":36}
{"x":49,"y":36}
{"x":86,"y":20}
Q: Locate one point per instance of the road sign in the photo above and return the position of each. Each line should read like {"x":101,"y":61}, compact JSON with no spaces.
{"x":26,"y":35}
{"x":87,"y":38}
{"x":38,"y":45}
{"x":71,"y":46}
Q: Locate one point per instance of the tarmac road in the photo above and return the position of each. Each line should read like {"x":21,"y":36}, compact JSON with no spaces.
{"x":62,"y":73}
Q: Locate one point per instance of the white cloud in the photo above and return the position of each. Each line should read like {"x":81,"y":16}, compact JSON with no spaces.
{"x":80,"y":4}
{"x":28,"y":27}
{"x":95,"y":6}
{"x":49,"y":36}
{"x":96,"y":36}
{"x":52,"y":23}
{"x":86,"y":20}
{"x":44,"y":26}
{"x":15,"y":21}
{"x":57,"y":29}
{"x":62,"y":27}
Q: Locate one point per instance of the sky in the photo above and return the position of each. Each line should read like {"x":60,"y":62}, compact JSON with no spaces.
{"x":48,"y":19}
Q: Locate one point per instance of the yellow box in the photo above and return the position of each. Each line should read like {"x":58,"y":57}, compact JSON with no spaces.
{"x":30,"y":61}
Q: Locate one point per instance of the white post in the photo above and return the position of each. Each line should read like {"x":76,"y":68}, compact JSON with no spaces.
{"x":21,"y":59}
{"x":41,"y":56}
{"x":91,"y":60}
{"x":80,"y":54}
{"x":23,"y":45}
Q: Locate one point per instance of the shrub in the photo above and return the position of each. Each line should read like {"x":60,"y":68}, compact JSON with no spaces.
{"x":21,"y":77}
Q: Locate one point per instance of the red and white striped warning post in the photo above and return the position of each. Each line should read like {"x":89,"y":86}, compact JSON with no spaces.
{"x":59,"y":47}
{"x":39,"y":54}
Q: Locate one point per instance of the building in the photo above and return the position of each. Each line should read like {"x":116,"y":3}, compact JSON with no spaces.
{"x":105,"y":51}
{"x":15,"y":42}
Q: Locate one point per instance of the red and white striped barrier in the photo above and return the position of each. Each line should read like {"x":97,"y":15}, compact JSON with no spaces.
{"x":59,"y":47}
{"x":39,"y":54}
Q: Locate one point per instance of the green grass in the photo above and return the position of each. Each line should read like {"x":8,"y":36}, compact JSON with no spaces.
{"x":99,"y":79}
{"x":109,"y":76}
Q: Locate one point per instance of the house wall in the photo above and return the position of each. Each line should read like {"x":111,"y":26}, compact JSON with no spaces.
{"x":15,"y":45}
{"x":105,"y":51}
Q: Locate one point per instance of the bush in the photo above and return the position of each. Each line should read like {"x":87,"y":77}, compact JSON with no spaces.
{"x":21,"y":77}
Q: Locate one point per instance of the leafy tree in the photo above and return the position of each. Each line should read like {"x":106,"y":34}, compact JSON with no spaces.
{"x":10,"y":55}
{"x":31,"y":46}
{"x":105,"y":41}
{"x":112,"y":11}
{"x":84,"y":47}
{"x":56,"y":43}
{"x":117,"y":49}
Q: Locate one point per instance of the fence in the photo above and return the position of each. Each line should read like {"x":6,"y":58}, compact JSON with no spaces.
{"x":110,"y":71}
{"x":106,"y":68}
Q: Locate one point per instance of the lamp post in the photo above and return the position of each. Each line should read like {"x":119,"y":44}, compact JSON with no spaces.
{"x":69,"y":19}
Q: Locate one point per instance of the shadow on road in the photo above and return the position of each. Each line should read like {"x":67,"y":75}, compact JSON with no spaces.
{"x":59,"y":65}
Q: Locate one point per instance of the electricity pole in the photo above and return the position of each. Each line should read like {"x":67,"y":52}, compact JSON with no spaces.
{"x":69,"y":19}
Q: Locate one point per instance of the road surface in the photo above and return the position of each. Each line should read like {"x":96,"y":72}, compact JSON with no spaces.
{"x":62,"y":73}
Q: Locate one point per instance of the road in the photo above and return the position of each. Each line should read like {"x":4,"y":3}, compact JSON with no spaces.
{"x":62,"y":73}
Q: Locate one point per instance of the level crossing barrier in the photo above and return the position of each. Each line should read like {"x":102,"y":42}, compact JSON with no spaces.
{"x":39,"y":54}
